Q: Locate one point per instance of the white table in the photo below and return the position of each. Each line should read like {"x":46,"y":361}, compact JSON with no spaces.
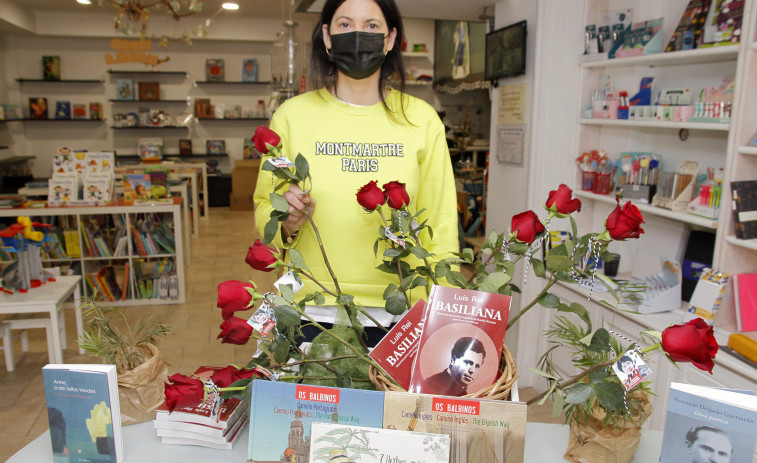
{"x":544,"y":443}
{"x":49,"y":299}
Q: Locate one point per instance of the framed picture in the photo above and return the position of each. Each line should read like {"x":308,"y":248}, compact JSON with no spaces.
{"x":124,"y":89}
{"x":185,"y":146}
{"x":203,"y":108}
{"x":216,"y":146}
{"x":51,"y":67}
{"x":149,"y":91}
{"x":95,"y":111}
{"x":80,"y":111}
{"x":62,"y":110}
{"x":38,"y":108}
{"x":249,"y":70}
{"x":214,"y":70}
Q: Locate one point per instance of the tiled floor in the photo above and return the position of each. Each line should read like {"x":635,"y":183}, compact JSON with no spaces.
{"x":218,"y":255}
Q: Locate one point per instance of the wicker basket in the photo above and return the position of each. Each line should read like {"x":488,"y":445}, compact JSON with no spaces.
{"x":500,"y":390}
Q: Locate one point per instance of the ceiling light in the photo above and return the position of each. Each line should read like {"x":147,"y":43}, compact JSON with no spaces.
{"x":85,"y":2}
{"x":230,"y":6}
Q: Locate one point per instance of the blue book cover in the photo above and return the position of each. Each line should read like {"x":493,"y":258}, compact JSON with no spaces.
{"x":281,"y":415}
{"x":83,"y":412}
{"x":709,"y":424}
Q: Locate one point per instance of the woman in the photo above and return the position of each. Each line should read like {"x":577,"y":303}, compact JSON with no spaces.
{"x":352,"y":130}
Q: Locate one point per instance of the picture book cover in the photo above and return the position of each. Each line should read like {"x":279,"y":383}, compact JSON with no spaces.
{"x":480,"y":429}
{"x":249,"y":70}
{"x":688,"y":33}
{"x":396,"y":351}
{"x":745,"y":298}
{"x":63,"y":187}
{"x":51,"y":68}
{"x":150,"y":149}
{"x":95,"y":111}
{"x":99,"y":161}
{"x":333,"y":442}
{"x":136,"y":186}
{"x":97,"y":187}
{"x":216,"y":146}
{"x":185,"y":147}
{"x":149,"y":91}
{"x":63,"y":110}
{"x":461,"y":342}
{"x":744,"y":207}
{"x":214,"y":70}
{"x":158,"y":183}
{"x":83,"y":412}
{"x":709,"y":424}
{"x":80,"y":111}
{"x":248,"y":149}
{"x":12,"y":111}
{"x":281,"y":415}
{"x":38,"y":108}
{"x":124,"y":89}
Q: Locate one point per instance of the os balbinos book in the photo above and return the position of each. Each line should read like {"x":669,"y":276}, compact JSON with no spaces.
{"x":84,"y":413}
{"x":281,"y":415}
{"x":706,"y":422}
{"x":461,"y":343}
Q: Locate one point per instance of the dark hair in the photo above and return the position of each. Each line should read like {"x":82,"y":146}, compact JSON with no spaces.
{"x":692,"y":434}
{"x":625,"y":358}
{"x":465,"y":344}
{"x":323,"y":72}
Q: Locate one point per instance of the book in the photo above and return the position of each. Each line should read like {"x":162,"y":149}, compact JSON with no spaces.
{"x":340,"y":442}
{"x":83,"y":412}
{"x":185,"y":146}
{"x":745,"y":298}
{"x":688,"y":33}
{"x":282,"y":414}
{"x":461,"y":342}
{"x":98,"y":187}
{"x":80,"y":111}
{"x":150,"y":149}
{"x":63,"y":110}
{"x":200,"y":414}
{"x":249,"y":70}
{"x":37,"y":108}
{"x":704,"y":420}
{"x":216,"y":146}
{"x":248,"y":149}
{"x":480,"y":429}
{"x":227,"y":445}
{"x":203,"y":108}
{"x":201,"y":432}
{"x":395,"y":352}
{"x":744,"y":344}
{"x":149,"y":91}
{"x":744,"y":207}
{"x":158,"y":181}
{"x":63,"y":187}
{"x":214,"y":70}
{"x":95,"y":111}
{"x":51,"y":68}
{"x":124,"y":89}
{"x":136,"y":186}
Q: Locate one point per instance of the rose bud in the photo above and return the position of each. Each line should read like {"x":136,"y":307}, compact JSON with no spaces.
{"x":265,"y":136}
{"x":693,"y":342}
{"x":624,"y":223}
{"x":234,"y":330}
{"x":230,"y":374}
{"x":233,"y":296}
{"x":370,"y":196}
{"x":260,"y":256}
{"x":526,"y":226}
{"x":184,"y":392}
{"x":560,"y":201}
{"x":396,"y":195}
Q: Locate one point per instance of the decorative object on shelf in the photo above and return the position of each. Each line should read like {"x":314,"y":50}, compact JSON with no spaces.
{"x":96,"y":111}
{"x":38,"y":108}
{"x":149,"y":91}
{"x":215,"y":146}
{"x":51,"y":68}
{"x":203,"y":108}
{"x":215,"y":70}
{"x":63,"y":110}
{"x":133,"y":350}
{"x":249,"y":70}
{"x":185,"y":146}
{"x":26,"y":271}
{"x":124,"y":89}
{"x":80,"y":111}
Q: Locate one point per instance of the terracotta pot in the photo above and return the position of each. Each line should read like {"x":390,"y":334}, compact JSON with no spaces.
{"x":141,"y":390}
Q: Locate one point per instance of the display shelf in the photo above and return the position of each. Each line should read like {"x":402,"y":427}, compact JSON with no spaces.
{"x":62,"y":81}
{"x":59,"y":120}
{"x":15,"y":160}
{"x":149,"y":73}
{"x":213,"y":119}
{"x":186,"y":100}
{"x":416,"y":54}
{"x":682,"y":217}
{"x":148,"y":127}
{"x":187,"y":157}
{"x":746,"y":244}
{"x":716,"y":126}
{"x":419,"y":83}
{"x":230,"y":82}
{"x":748,"y":150}
{"x":3,"y":147}
{"x":697,"y":56}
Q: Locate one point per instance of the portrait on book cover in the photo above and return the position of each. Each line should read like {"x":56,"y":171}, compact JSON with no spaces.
{"x":459,"y":359}
{"x":692,"y":440}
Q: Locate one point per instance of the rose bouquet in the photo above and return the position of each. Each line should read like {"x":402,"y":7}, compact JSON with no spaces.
{"x":339,"y":356}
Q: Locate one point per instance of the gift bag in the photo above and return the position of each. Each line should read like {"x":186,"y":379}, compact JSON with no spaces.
{"x":140,"y":391}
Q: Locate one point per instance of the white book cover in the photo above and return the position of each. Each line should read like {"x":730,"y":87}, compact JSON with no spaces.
{"x":98,"y":186}
{"x":709,"y":424}
{"x":332,"y":442}
{"x":102,"y":161}
{"x":62,"y":188}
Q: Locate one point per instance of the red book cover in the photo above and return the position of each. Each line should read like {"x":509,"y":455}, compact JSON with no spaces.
{"x":461,"y":344}
{"x":396,"y":351}
{"x":745,"y":296}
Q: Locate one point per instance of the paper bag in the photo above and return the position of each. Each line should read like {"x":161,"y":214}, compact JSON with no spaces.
{"x":140,"y":391}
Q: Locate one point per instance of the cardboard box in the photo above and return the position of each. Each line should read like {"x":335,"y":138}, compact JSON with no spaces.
{"x":241,"y":202}
{"x":244,"y":177}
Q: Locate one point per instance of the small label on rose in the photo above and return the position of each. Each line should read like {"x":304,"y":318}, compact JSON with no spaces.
{"x":288,"y":279}
{"x":281,"y":162}
{"x":631,"y":369}
{"x":263,"y":320}
{"x":399,"y":241}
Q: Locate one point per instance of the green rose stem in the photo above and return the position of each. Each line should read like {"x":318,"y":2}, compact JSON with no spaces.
{"x":399,"y":266}
{"x":323,"y":251}
{"x":425,"y":259}
{"x":591,"y":370}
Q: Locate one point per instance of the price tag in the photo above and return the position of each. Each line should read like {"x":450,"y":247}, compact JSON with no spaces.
{"x":288,"y":279}
{"x":263,"y":320}
{"x":213,"y":399}
{"x":399,"y":241}
{"x":631,"y":369}
{"x":281,"y":161}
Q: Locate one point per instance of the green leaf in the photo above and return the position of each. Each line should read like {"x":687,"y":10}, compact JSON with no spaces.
{"x":390,"y":288}
{"x":442,"y":268}
{"x":286,"y":292}
{"x":345,"y":299}
{"x":393,"y":252}
{"x":542,"y":373}
{"x":573,"y":226}
{"x":270,"y":230}
{"x":611,"y":396}
{"x":577,"y":309}
{"x":279,"y":202}
{"x":538,"y":266}
{"x":600,"y":341}
{"x":303,"y":169}
{"x":494,"y":281}
{"x":597,"y":376}
{"x":457,"y":279}
{"x":549,"y":300}
{"x":518,"y":248}
{"x":319,"y":299}
{"x":297,"y":259}
{"x":579,"y":393}
{"x":468,"y":255}
{"x":344,"y":380}
{"x":286,"y":316}
{"x":396,"y":303}
{"x":281,"y":352}
{"x":418,"y":281}
{"x":558,"y":404}
{"x":419,"y":252}
{"x":387,"y":267}
{"x":556,"y":263}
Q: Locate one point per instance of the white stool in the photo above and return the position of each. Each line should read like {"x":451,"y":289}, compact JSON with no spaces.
{"x":42,"y":322}
{"x":5,"y":333}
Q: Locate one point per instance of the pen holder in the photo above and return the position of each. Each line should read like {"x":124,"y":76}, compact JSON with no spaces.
{"x":638,"y":193}
{"x":686,"y":173}
{"x":602,"y":184}
{"x":588,"y":179}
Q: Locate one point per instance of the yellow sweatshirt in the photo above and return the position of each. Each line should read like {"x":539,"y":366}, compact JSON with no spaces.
{"x":347,"y":146}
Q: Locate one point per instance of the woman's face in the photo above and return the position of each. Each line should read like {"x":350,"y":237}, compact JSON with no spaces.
{"x":359,"y":15}
{"x":627,"y":367}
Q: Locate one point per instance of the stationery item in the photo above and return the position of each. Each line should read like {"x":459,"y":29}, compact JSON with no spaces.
{"x":662,"y":291}
{"x":333,"y":442}
{"x":744,"y":207}
{"x":83,"y":412}
{"x":395,"y":353}
{"x":709,"y":421}
{"x":677,"y":195}
{"x":708,"y":294}
{"x":745,"y":298}
{"x":461,"y":343}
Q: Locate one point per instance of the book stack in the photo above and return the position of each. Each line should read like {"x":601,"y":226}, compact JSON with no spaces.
{"x":194,"y":425}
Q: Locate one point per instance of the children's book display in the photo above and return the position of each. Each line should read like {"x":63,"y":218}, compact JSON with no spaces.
{"x":709,"y":424}
{"x":81,"y":178}
{"x":83,"y":412}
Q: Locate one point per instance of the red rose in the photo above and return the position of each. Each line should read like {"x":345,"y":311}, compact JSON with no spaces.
{"x":260,"y":256}
{"x":691,"y":342}
{"x":560,"y":200}
{"x":396,"y":195}
{"x":233,"y":296}
{"x":265,"y":135}
{"x":526,"y":226}
{"x":234,"y":330}
{"x":370,"y":196}
{"x":229,"y":375}
{"x":184,"y":392}
{"x":624,"y":223}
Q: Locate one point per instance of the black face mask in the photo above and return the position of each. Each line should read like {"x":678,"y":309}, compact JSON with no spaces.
{"x":357,"y":54}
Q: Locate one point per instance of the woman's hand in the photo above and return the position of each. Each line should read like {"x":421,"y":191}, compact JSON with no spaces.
{"x":298,"y":200}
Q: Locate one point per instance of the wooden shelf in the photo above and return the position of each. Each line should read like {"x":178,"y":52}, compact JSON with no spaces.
{"x":676,"y":58}
{"x":722,"y":127}
{"x":682,"y":217}
{"x":150,"y":73}
{"x":746,"y":244}
{"x":230,"y":82}
{"x":62,"y":81}
{"x":186,"y":101}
